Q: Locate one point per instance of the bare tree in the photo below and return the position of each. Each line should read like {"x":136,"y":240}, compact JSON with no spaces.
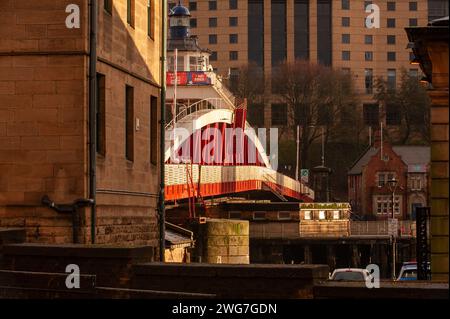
{"x":320,"y":99}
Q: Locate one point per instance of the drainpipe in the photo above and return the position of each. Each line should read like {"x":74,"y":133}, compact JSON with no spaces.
{"x":161,"y":207}
{"x":92,"y":112}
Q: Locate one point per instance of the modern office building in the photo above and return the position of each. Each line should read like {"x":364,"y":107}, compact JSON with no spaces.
{"x":78,"y":128}
{"x":331,"y":32}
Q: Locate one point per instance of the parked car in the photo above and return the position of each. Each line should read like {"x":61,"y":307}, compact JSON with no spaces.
{"x":409,"y":271}
{"x":350,"y":274}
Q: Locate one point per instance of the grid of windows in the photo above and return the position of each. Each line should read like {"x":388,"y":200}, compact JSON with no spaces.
{"x":391,"y":79}
{"x":413,"y":22}
{"x":391,"y":6}
{"x":384,"y":205}
{"x":129,"y":123}
{"x":193,"y":22}
{"x":192,"y":5}
{"x":412,"y":6}
{"x":279,"y":114}
{"x":107,"y":5}
{"x":213,"y":56}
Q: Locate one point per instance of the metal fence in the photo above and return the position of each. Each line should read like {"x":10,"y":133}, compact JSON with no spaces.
{"x":406,"y":228}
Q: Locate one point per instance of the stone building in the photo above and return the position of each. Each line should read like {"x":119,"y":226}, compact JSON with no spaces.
{"x":71,"y":129}
{"x":430,"y":44}
{"x":369,"y":191}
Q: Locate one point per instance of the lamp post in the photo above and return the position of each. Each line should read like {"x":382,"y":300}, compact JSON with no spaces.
{"x":392,"y":184}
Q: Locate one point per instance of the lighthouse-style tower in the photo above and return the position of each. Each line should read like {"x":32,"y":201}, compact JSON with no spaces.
{"x":190,"y":57}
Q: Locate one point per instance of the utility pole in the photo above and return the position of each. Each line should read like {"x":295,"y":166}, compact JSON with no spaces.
{"x":297,"y":167}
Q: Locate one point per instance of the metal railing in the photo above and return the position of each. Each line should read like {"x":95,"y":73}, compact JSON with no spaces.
{"x":205,"y":104}
{"x":360,"y":228}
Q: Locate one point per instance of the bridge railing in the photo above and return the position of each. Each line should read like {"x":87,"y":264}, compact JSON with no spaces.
{"x":358,"y":228}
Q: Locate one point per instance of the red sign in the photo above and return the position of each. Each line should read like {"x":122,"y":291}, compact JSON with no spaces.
{"x":199,"y":78}
{"x":182,"y":78}
{"x":188,"y":78}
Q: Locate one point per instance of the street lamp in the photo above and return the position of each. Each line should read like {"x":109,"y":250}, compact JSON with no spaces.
{"x":392,"y":184}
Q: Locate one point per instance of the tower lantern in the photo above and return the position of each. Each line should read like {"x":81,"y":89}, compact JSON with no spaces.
{"x":179,"y":22}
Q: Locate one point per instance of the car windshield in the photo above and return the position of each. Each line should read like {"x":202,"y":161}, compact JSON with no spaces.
{"x":349,"y":275}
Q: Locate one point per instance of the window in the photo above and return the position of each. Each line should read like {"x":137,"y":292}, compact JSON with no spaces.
{"x":233,"y":55}
{"x":391,"y":39}
{"x":107,"y":5}
{"x":413,"y":6}
{"x":192,"y":5}
{"x":391,"y":23}
{"x":307,"y":214}
{"x":368,"y":56}
{"x":391,"y":79}
{"x":130,"y":12}
{"x":437,"y":9}
{"x":213,"y":39}
{"x":193,"y":23}
{"x":393,"y":116}
{"x":324,"y":32}
{"x":383,"y":204}
{"x":212,"y":5}
{"x":301,"y":29}
{"x":233,"y":21}
{"x":322,"y":214}
{"x":212,"y":22}
{"x":413,"y":22}
{"x":284,"y":215}
{"x":258,"y":215}
{"x":368,"y":39}
{"x":391,"y":6}
{"x":416,"y":183}
{"x":384,"y":177}
{"x":233,"y":4}
{"x":213,"y":56}
{"x":336,"y":214}
{"x":256,"y":114}
{"x":346,"y":55}
{"x":129,"y":123}
{"x":154,"y":130}
{"x":414,"y":73}
{"x":346,"y":38}
{"x":233,"y":38}
{"x":234,"y":215}
{"x":278,"y":32}
{"x":371,"y":114}
{"x":279,"y":114}
{"x":150,"y":19}
{"x":368,"y":76}
{"x":256,"y":32}
{"x":100,"y":116}
{"x":391,"y":56}
{"x":345,"y":21}
{"x":345,"y":4}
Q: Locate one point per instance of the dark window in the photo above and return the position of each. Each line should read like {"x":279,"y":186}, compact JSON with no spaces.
{"x":107,"y":5}
{"x":391,"y":79}
{"x":100,"y":118}
{"x":212,"y":5}
{"x":233,"y":4}
{"x":368,"y":76}
{"x":346,"y":38}
{"x":192,"y":5}
{"x":324,"y":32}
{"x":153,"y":130}
{"x":368,"y":39}
{"x":212,"y":22}
{"x":213,"y":39}
{"x":391,"y":56}
{"x":413,"y":22}
{"x":345,"y":4}
{"x":391,"y":6}
{"x":413,"y":6}
{"x":151,"y":19}
{"x":256,"y":31}
{"x":371,"y":114}
{"x":233,"y":55}
{"x":301,"y":29}
{"x":391,"y":23}
{"x":346,"y":55}
{"x":368,"y":56}
{"x":279,"y":114}
{"x":345,"y":21}
{"x":130,"y":12}
{"x":437,"y":9}
{"x":233,"y":38}
{"x":233,"y":21}
{"x":392,"y":114}
{"x":129,"y":123}
{"x":256,"y":114}
{"x":213,"y":56}
{"x":278,"y":29}
{"x":391,"y":39}
{"x":193,"y":23}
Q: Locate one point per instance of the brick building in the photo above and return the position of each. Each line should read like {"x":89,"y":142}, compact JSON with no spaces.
{"x":369,"y":191}
{"x":49,"y":143}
